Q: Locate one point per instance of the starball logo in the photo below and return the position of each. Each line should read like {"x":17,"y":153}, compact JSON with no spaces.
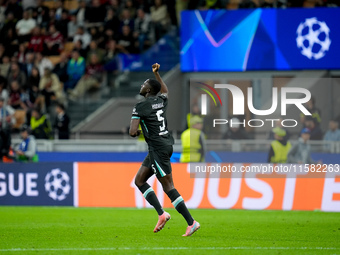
{"x":239,"y":103}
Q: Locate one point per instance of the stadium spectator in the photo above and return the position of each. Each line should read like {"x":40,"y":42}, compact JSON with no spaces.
{"x":159,"y":17}
{"x":111,"y":51}
{"x":193,"y":142}
{"x":3,"y":90}
{"x":171,"y":9}
{"x":110,"y":35}
{"x":247,"y":4}
{"x":316,"y":113}
{"x":279,"y":148}
{"x":96,"y":36}
{"x":115,"y":5}
{"x":131,"y":7}
{"x":75,"y":70}
{"x":2,"y":52}
{"x":15,"y":95}
{"x":126,"y":20}
{"x":300,"y":152}
{"x":48,"y":97}
{"x":29,"y":63}
{"x":126,"y":42}
{"x":42,"y":62}
{"x":21,"y":54}
{"x":61,"y":68}
{"x":27,"y":149}
{"x":34,"y":78}
{"x":315,"y":130}
{"x":72,"y":27}
{"x":29,"y":4}
{"x":333,"y":133}
{"x":10,"y":22}
{"x":40,"y":125}
{"x":49,"y":83}
{"x":80,"y":13}
{"x":278,"y":124}
{"x":41,"y":14}
{"x":78,"y":46}
{"x":62,"y":122}
{"x":5,"y":66}
{"x":58,"y":9}
{"x":95,"y":13}
{"x":83,"y":36}
{"x":25,"y":26}
{"x":36,"y":42}
{"x":111,"y":62}
{"x":62,"y":24}
{"x":33,"y":86}
{"x":195,"y":111}
{"x":93,"y":49}
{"x":53,"y":43}
{"x":25,"y":99}
{"x":51,"y":18}
{"x":142,"y":29}
{"x":110,"y":56}
{"x":13,"y":6}
{"x":15,"y":74}
{"x":91,"y":79}
{"x":111,"y":21}
{"x":2,"y":13}
{"x":235,"y":132}
{"x":6,"y":121}
{"x":10,"y":41}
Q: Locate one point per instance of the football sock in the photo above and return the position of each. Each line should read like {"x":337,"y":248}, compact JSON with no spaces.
{"x":180,"y":206}
{"x":151,"y":197}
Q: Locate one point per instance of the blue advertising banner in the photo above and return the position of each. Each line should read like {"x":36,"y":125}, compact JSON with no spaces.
{"x":37,"y":184}
{"x":260,"y":39}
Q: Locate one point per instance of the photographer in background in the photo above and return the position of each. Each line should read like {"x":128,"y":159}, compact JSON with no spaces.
{"x":27,"y":149}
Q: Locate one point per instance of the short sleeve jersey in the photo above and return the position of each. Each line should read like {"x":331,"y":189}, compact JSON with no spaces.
{"x":152,"y":114}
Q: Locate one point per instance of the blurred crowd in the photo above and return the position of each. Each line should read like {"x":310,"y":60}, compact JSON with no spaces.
{"x":52,"y":52}
{"x":241,"y":4}
{"x":55,"y":51}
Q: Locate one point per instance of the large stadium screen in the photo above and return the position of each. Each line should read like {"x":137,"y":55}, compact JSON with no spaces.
{"x":260,"y":39}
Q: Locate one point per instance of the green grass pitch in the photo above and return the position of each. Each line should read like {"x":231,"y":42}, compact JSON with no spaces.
{"x":66,"y":230}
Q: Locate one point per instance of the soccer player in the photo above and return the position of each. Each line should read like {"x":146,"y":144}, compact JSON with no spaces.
{"x":151,"y":115}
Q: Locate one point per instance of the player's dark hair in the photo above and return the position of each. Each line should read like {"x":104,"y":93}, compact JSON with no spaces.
{"x":155,"y":86}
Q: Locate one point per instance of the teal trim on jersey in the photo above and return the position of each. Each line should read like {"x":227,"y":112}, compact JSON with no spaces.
{"x":177,"y":201}
{"x":147,"y":192}
{"x":135,"y":117}
{"x":160,"y":169}
{"x":145,"y":126}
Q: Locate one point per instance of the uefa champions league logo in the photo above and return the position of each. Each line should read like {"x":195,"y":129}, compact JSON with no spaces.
{"x":313,"y":38}
{"x":57,"y":184}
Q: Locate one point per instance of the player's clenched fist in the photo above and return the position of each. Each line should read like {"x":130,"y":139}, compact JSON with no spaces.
{"x":155,"y":67}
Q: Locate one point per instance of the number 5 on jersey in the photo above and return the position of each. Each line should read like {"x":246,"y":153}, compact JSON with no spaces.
{"x":161,"y":119}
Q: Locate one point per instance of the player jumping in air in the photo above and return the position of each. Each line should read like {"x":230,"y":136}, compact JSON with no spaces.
{"x":151,"y":115}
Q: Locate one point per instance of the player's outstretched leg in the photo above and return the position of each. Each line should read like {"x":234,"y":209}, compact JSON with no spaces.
{"x":178,"y":203}
{"x":144,"y":173}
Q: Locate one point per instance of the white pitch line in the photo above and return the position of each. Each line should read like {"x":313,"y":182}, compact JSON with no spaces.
{"x":167,"y":248}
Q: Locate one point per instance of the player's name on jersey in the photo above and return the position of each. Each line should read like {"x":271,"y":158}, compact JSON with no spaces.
{"x":157,"y":106}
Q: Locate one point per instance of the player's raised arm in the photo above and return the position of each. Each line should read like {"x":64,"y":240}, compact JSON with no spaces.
{"x":164,"y":88}
{"x":134,"y":124}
